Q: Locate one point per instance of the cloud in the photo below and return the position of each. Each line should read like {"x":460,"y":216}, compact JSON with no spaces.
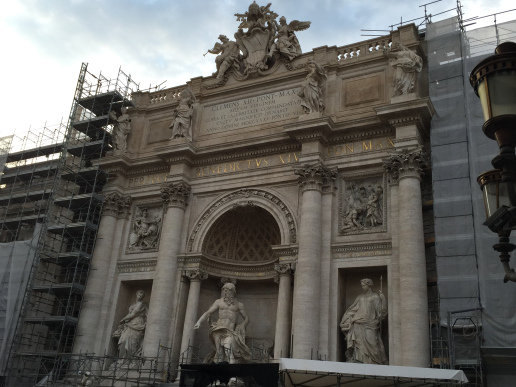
{"x":158,"y":40}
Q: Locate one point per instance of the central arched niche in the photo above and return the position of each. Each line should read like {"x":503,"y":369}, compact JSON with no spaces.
{"x":243,"y":234}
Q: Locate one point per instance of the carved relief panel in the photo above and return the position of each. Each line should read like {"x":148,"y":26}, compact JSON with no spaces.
{"x":145,"y":231}
{"x":362,"y":205}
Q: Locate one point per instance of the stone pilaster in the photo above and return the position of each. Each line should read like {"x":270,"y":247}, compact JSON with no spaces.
{"x":307,"y":289}
{"x":163,"y":297}
{"x":114,"y":206}
{"x":406,"y":167}
{"x":282,"y":335}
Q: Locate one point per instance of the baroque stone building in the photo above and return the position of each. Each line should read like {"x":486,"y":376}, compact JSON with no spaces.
{"x":292,"y":175}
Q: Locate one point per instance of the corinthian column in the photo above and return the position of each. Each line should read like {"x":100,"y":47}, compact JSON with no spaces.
{"x":114,"y":206}
{"x":192,"y":308}
{"x":406,"y":167}
{"x":282,"y":335}
{"x":163,"y":296}
{"x":305,"y":313}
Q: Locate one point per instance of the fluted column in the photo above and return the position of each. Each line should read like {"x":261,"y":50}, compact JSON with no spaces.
{"x":114,"y":206}
{"x":163,"y":296}
{"x":406,"y":167}
{"x":305,"y":313}
{"x":282,"y":335}
{"x":196,"y":277}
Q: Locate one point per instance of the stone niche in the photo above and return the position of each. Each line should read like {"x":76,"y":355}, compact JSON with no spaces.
{"x":127,"y":297}
{"x":260,"y":299}
{"x":349,"y":288}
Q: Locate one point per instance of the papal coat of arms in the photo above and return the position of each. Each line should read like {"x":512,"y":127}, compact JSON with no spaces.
{"x":260,"y":43}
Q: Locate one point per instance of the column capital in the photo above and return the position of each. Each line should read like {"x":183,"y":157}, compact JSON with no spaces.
{"x":116,"y":205}
{"x":195,"y":275}
{"x":406,"y":163}
{"x":283,"y":269}
{"x":175,"y":194}
{"x":316,"y":177}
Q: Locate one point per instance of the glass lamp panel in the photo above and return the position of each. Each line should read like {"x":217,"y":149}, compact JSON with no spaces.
{"x":495,"y":195}
{"x":502,"y":93}
{"x":484,"y":98}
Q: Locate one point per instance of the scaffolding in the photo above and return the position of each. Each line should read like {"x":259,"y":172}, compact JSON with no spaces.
{"x":50,"y":207}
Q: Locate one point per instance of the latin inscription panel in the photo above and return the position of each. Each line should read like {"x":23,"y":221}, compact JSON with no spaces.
{"x":247,"y":112}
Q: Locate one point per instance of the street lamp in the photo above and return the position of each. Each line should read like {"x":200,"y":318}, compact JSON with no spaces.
{"x":494,"y":81}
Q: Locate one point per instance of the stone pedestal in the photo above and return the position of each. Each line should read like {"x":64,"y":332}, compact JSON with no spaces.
{"x":163,"y":288}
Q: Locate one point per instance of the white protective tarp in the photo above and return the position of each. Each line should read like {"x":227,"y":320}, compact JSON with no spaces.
{"x":313,"y":373}
{"x":15,"y":263}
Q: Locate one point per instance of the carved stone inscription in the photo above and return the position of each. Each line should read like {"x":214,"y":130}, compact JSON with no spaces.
{"x":362,"y":206}
{"x":252,"y":111}
{"x":145,"y":228}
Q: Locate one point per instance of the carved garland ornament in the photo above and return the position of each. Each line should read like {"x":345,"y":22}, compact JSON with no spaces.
{"x":246,"y":194}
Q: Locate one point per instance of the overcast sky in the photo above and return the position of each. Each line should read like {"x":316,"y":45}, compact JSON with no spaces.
{"x":44,"y":42}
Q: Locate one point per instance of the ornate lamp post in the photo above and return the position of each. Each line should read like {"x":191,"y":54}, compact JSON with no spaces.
{"x":494,"y":81}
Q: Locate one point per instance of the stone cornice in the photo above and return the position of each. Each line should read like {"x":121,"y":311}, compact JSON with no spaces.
{"x":406,"y":163}
{"x":230,"y":270}
{"x":307,"y":130}
{"x":361,"y":250}
{"x":417,"y":112}
{"x":143,"y":265}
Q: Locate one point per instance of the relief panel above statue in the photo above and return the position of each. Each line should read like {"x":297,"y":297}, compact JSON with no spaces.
{"x":362,"y":205}
{"x":145,"y":228}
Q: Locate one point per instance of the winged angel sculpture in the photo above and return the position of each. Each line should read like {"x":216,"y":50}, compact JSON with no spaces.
{"x":260,"y":42}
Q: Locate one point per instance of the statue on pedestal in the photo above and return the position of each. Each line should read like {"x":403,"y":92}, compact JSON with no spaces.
{"x":310,"y":92}
{"x":182,"y":122}
{"x":121,"y":130}
{"x":227,"y":337}
{"x":407,"y":64}
{"x":361,"y":324}
{"x":131,"y":331}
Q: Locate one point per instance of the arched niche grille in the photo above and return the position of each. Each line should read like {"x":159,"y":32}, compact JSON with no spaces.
{"x":243,"y":234}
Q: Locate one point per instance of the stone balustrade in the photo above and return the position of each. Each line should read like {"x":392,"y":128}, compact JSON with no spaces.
{"x":167,"y":95}
{"x":372,"y":46}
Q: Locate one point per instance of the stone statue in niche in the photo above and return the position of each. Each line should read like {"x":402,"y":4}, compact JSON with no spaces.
{"x":121,"y":130}
{"x":362,"y":207}
{"x":229,"y":54}
{"x":227,"y":336}
{"x":286,"y":41}
{"x":361,"y":324}
{"x":310,"y":91}
{"x":182,"y":122}
{"x":145,"y":230}
{"x":131,"y":331}
{"x":406,"y":64}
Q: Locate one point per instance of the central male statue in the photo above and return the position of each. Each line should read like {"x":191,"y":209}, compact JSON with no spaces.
{"x":225,"y":334}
